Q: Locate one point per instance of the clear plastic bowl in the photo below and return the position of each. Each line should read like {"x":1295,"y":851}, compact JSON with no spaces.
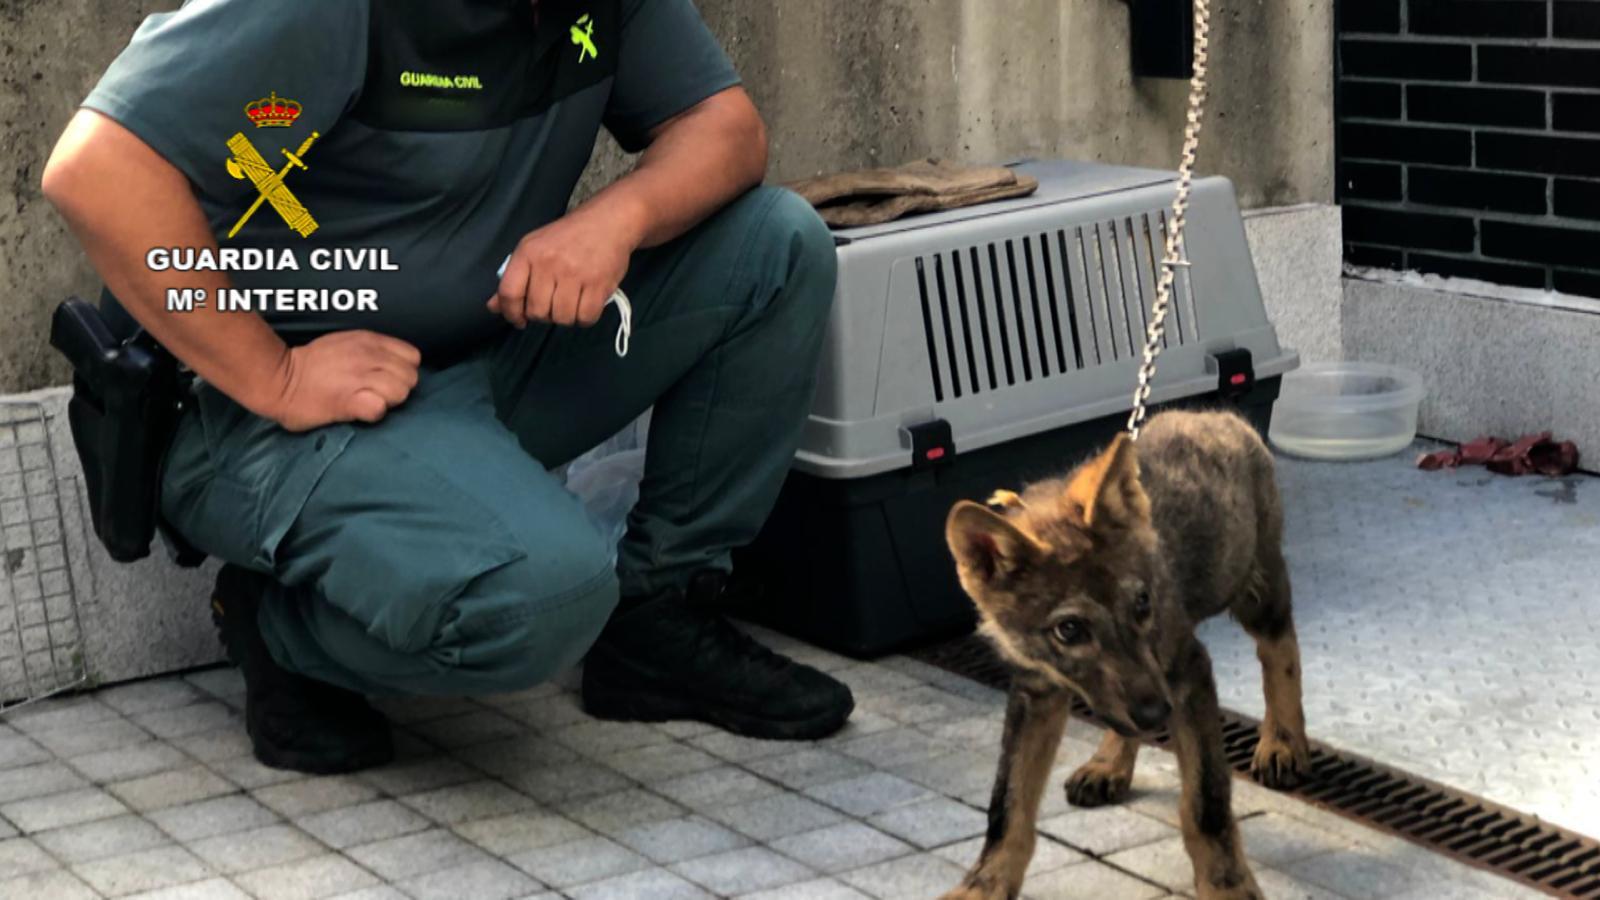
{"x":1346,"y":410}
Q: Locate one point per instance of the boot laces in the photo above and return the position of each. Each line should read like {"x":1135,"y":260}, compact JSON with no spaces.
{"x":714,"y":635}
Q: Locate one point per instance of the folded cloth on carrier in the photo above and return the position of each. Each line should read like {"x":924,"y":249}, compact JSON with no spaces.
{"x":1528,"y":454}
{"x":873,"y":196}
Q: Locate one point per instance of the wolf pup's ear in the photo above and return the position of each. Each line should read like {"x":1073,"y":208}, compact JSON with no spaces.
{"x":986,"y":544}
{"x":1107,"y":489}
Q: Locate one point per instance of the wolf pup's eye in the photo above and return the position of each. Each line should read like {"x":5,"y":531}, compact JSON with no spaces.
{"x":1141,"y":605}
{"x":1072,"y":631}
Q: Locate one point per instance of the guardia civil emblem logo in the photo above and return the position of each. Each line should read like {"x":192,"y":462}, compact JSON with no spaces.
{"x":246,"y":162}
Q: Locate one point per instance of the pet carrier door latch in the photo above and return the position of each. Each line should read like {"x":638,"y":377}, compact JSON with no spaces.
{"x":1236,"y":373}
{"x":931,"y":444}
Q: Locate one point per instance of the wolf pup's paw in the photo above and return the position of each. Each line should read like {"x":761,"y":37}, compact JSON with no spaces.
{"x":1242,"y":892}
{"x":985,"y":890}
{"x":1281,"y":762}
{"x":1239,"y":884}
{"x":1097,"y":784}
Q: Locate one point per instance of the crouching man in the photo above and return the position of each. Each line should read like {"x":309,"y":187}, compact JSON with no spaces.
{"x":378,"y":482}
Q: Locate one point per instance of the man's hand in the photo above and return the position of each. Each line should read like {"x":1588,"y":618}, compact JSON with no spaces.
{"x":696,"y":161}
{"x":565,"y":272}
{"x":344,"y":376}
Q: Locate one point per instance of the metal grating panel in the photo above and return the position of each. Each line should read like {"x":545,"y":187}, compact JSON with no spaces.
{"x":40,"y":644}
{"x":1044,"y":305}
{"x":1470,"y":829}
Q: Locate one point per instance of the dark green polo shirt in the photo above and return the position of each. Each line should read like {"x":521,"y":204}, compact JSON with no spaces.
{"x":445,"y":131}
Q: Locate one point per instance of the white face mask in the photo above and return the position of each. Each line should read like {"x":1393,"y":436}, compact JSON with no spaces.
{"x":625,"y":329}
{"x":617,"y":299}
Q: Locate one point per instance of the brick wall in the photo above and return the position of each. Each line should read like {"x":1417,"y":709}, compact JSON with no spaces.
{"x":1469,"y":139}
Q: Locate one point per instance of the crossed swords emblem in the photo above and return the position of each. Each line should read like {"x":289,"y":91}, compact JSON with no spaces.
{"x":583,"y":38}
{"x":247,"y":162}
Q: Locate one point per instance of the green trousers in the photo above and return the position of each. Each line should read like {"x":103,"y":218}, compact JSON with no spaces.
{"x":434,"y":553}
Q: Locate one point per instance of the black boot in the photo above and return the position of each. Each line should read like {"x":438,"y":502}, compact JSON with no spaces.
{"x":294,"y":722}
{"x":674,"y":656}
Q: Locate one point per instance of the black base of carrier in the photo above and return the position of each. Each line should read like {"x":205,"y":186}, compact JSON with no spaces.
{"x":860,"y":566}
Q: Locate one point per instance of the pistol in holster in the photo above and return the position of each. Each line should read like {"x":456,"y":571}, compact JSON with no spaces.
{"x":127,"y":396}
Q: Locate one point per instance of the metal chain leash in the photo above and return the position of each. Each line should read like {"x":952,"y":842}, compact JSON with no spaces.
{"x":1174,"y":257}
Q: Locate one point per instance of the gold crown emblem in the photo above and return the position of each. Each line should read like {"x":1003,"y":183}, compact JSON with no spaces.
{"x":272,"y":112}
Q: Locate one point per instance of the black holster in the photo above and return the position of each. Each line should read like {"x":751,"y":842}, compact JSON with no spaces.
{"x":127,"y":395}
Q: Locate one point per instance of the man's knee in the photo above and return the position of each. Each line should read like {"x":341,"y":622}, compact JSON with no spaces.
{"x":802,"y":234}
{"x":790,"y":218}
{"x":528,"y":621}
{"x":792,"y":261}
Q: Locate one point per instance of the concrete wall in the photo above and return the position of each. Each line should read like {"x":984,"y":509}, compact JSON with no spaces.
{"x":1298,"y":261}
{"x":1493,"y":361}
{"x":843,"y":83}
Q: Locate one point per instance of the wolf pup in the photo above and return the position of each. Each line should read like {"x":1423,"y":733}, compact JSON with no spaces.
{"x":1091,"y":585}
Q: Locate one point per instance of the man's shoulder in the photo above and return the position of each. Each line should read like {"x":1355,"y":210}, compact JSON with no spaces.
{"x":285,"y":9}
{"x":303,"y":16}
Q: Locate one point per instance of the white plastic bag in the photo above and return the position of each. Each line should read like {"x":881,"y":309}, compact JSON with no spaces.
{"x":607,"y":478}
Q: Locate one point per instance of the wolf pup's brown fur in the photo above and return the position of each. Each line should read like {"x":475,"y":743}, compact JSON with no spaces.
{"x":1092,"y":584}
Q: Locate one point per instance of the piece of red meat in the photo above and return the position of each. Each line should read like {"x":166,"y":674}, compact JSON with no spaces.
{"x":1529,"y":453}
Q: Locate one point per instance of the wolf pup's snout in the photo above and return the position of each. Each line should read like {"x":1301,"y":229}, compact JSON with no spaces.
{"x":1150,"y":713}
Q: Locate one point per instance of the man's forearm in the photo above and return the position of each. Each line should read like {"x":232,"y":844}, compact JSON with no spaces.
{"x":121,"y":199}
{"x":695,"y":164}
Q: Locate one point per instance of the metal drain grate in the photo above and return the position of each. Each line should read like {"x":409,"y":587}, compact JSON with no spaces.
{"x":1461,"y":826}
{"x":40,"y":644}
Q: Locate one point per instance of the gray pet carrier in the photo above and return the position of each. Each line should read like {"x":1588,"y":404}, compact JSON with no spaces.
{"x":981,"y":348}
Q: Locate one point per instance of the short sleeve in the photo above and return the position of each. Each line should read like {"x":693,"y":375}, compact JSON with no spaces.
{"x":184,"y":82}
{"x":668,"y":61}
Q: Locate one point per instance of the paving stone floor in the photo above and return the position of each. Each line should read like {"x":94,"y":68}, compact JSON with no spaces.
{"x":148,"y":790}
{"x":1449,"y":626}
